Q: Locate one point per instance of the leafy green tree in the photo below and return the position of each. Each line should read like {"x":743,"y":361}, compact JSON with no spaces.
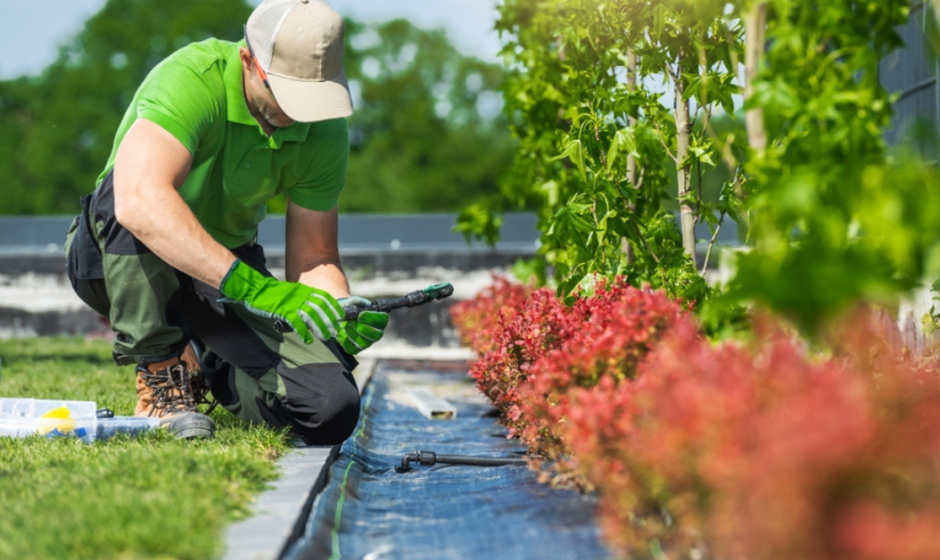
{"x":16,"y":119}
{"x":64,"y":128}
{"x":427,"y":132}
{"x":601,"y":142}
{"x":833,"y":219}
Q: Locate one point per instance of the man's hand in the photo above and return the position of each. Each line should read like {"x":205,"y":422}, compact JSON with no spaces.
{"x":355,"y":336}
{"x":311,"y":312}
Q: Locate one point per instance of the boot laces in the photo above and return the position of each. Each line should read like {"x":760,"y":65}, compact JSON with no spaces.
{"x":173,"y":390}
{"x":200,"y":389}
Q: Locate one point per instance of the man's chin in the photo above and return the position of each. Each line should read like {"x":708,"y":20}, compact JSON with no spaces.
{"x":278,"y":122}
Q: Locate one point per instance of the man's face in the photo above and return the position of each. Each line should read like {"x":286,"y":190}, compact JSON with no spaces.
{"x":261,"y":101}
{"x":267,"y":107}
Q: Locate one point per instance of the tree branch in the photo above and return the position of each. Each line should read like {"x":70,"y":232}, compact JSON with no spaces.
{"x":711,"y":243}
{"x":662,"y":138}
{"x":649,"y":250}
{"x":639,"y":182}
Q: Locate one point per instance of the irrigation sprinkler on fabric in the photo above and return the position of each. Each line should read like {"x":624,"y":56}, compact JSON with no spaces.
{"x":430,"y":458}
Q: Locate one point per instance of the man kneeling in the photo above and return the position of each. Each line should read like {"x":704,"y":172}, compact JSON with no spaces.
{"x":166,"y":245}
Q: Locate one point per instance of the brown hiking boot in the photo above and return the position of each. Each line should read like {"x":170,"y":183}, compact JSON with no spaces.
{"x":171,"y":390}
{"x":199,"y":383}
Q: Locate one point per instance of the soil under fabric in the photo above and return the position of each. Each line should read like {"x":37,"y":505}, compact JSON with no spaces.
{"x":369,"y":510}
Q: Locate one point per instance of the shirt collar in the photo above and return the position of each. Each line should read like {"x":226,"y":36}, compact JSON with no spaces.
{"x":237,"y":107}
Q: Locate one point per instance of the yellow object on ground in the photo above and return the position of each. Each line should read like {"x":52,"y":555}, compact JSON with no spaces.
{"x":58,"y":419}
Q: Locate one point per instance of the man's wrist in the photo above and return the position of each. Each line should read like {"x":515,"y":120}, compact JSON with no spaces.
{"x":231,"y":270}
{"x":327,"y":277}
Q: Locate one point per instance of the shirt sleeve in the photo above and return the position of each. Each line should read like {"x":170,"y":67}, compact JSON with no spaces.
{"x":325,"y":177}
{"x":181,"y":99}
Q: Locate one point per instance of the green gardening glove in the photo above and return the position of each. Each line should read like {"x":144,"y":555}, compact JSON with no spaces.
{"x":358,"y":334}
{"x":310,"y":311}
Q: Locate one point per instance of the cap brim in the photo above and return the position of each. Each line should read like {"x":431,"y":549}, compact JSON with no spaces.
{"x":311,"y":101}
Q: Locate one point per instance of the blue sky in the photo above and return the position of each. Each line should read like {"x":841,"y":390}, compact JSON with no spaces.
{"x":31,"y":31}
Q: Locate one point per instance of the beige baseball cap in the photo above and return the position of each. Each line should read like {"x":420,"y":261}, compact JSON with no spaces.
{"x":299,"y":44}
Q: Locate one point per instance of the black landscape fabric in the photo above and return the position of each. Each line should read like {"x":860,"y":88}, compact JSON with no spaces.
{"x":369,"y":510}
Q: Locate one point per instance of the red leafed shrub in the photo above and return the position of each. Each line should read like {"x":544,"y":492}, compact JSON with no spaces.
{"x":613,"y":331}
{"x":540,"y":323}
{"x":739,"y":451}
{"x":477,"y":319}
{"x":894,"y":506}
{"x":757,"y":452}
{"x":538,"y":349}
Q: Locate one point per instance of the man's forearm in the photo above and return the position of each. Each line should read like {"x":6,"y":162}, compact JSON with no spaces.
{"x":312,"y":250}
{"x":149,"y":168}
{"x":173,"y":233}
{"x":326,"y":275}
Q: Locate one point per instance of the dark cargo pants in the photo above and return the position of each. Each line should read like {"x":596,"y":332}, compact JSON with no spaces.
{"x":254,"y":371}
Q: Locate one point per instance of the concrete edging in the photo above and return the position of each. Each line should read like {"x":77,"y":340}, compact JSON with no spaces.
{"x":281,"y":512}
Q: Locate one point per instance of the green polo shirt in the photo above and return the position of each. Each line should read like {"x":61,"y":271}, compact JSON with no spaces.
{"x":196,"y":94}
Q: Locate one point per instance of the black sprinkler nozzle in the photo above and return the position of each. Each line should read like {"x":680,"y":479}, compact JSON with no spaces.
{"x":413,"y":299}
{"x":428,"y":458}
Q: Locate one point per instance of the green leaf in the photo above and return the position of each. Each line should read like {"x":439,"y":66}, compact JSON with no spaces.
{"x":623,"y":141}
{"x":573,"y":151}
{"x":702,"y":154}
{"x":693,"y":83}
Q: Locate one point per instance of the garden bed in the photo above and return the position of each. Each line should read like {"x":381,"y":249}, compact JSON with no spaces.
{"x":369,"y":509}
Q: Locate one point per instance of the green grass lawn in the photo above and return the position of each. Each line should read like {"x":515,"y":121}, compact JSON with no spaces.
{"x":149,"y":497}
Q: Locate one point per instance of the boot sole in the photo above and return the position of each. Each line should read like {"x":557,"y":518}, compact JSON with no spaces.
{"x":189,"y":425}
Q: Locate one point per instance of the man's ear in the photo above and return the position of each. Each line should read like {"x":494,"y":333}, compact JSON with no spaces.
{"x":248,"y":61}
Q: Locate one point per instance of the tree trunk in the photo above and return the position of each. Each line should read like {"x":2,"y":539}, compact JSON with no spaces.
{"x":683,"y":138}
{"x":631,"y":160}
{"x":755,"y":25}
{"x":631,"y":85}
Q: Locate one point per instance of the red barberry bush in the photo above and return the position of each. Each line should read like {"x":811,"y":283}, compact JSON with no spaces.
{"x":759,"y":452}
{"x":539,"y":324}
{"x":608,"y":334}
{"x":535,"y":352}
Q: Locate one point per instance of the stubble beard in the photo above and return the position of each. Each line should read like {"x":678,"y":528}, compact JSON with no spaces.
{"x":277,"y":120}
